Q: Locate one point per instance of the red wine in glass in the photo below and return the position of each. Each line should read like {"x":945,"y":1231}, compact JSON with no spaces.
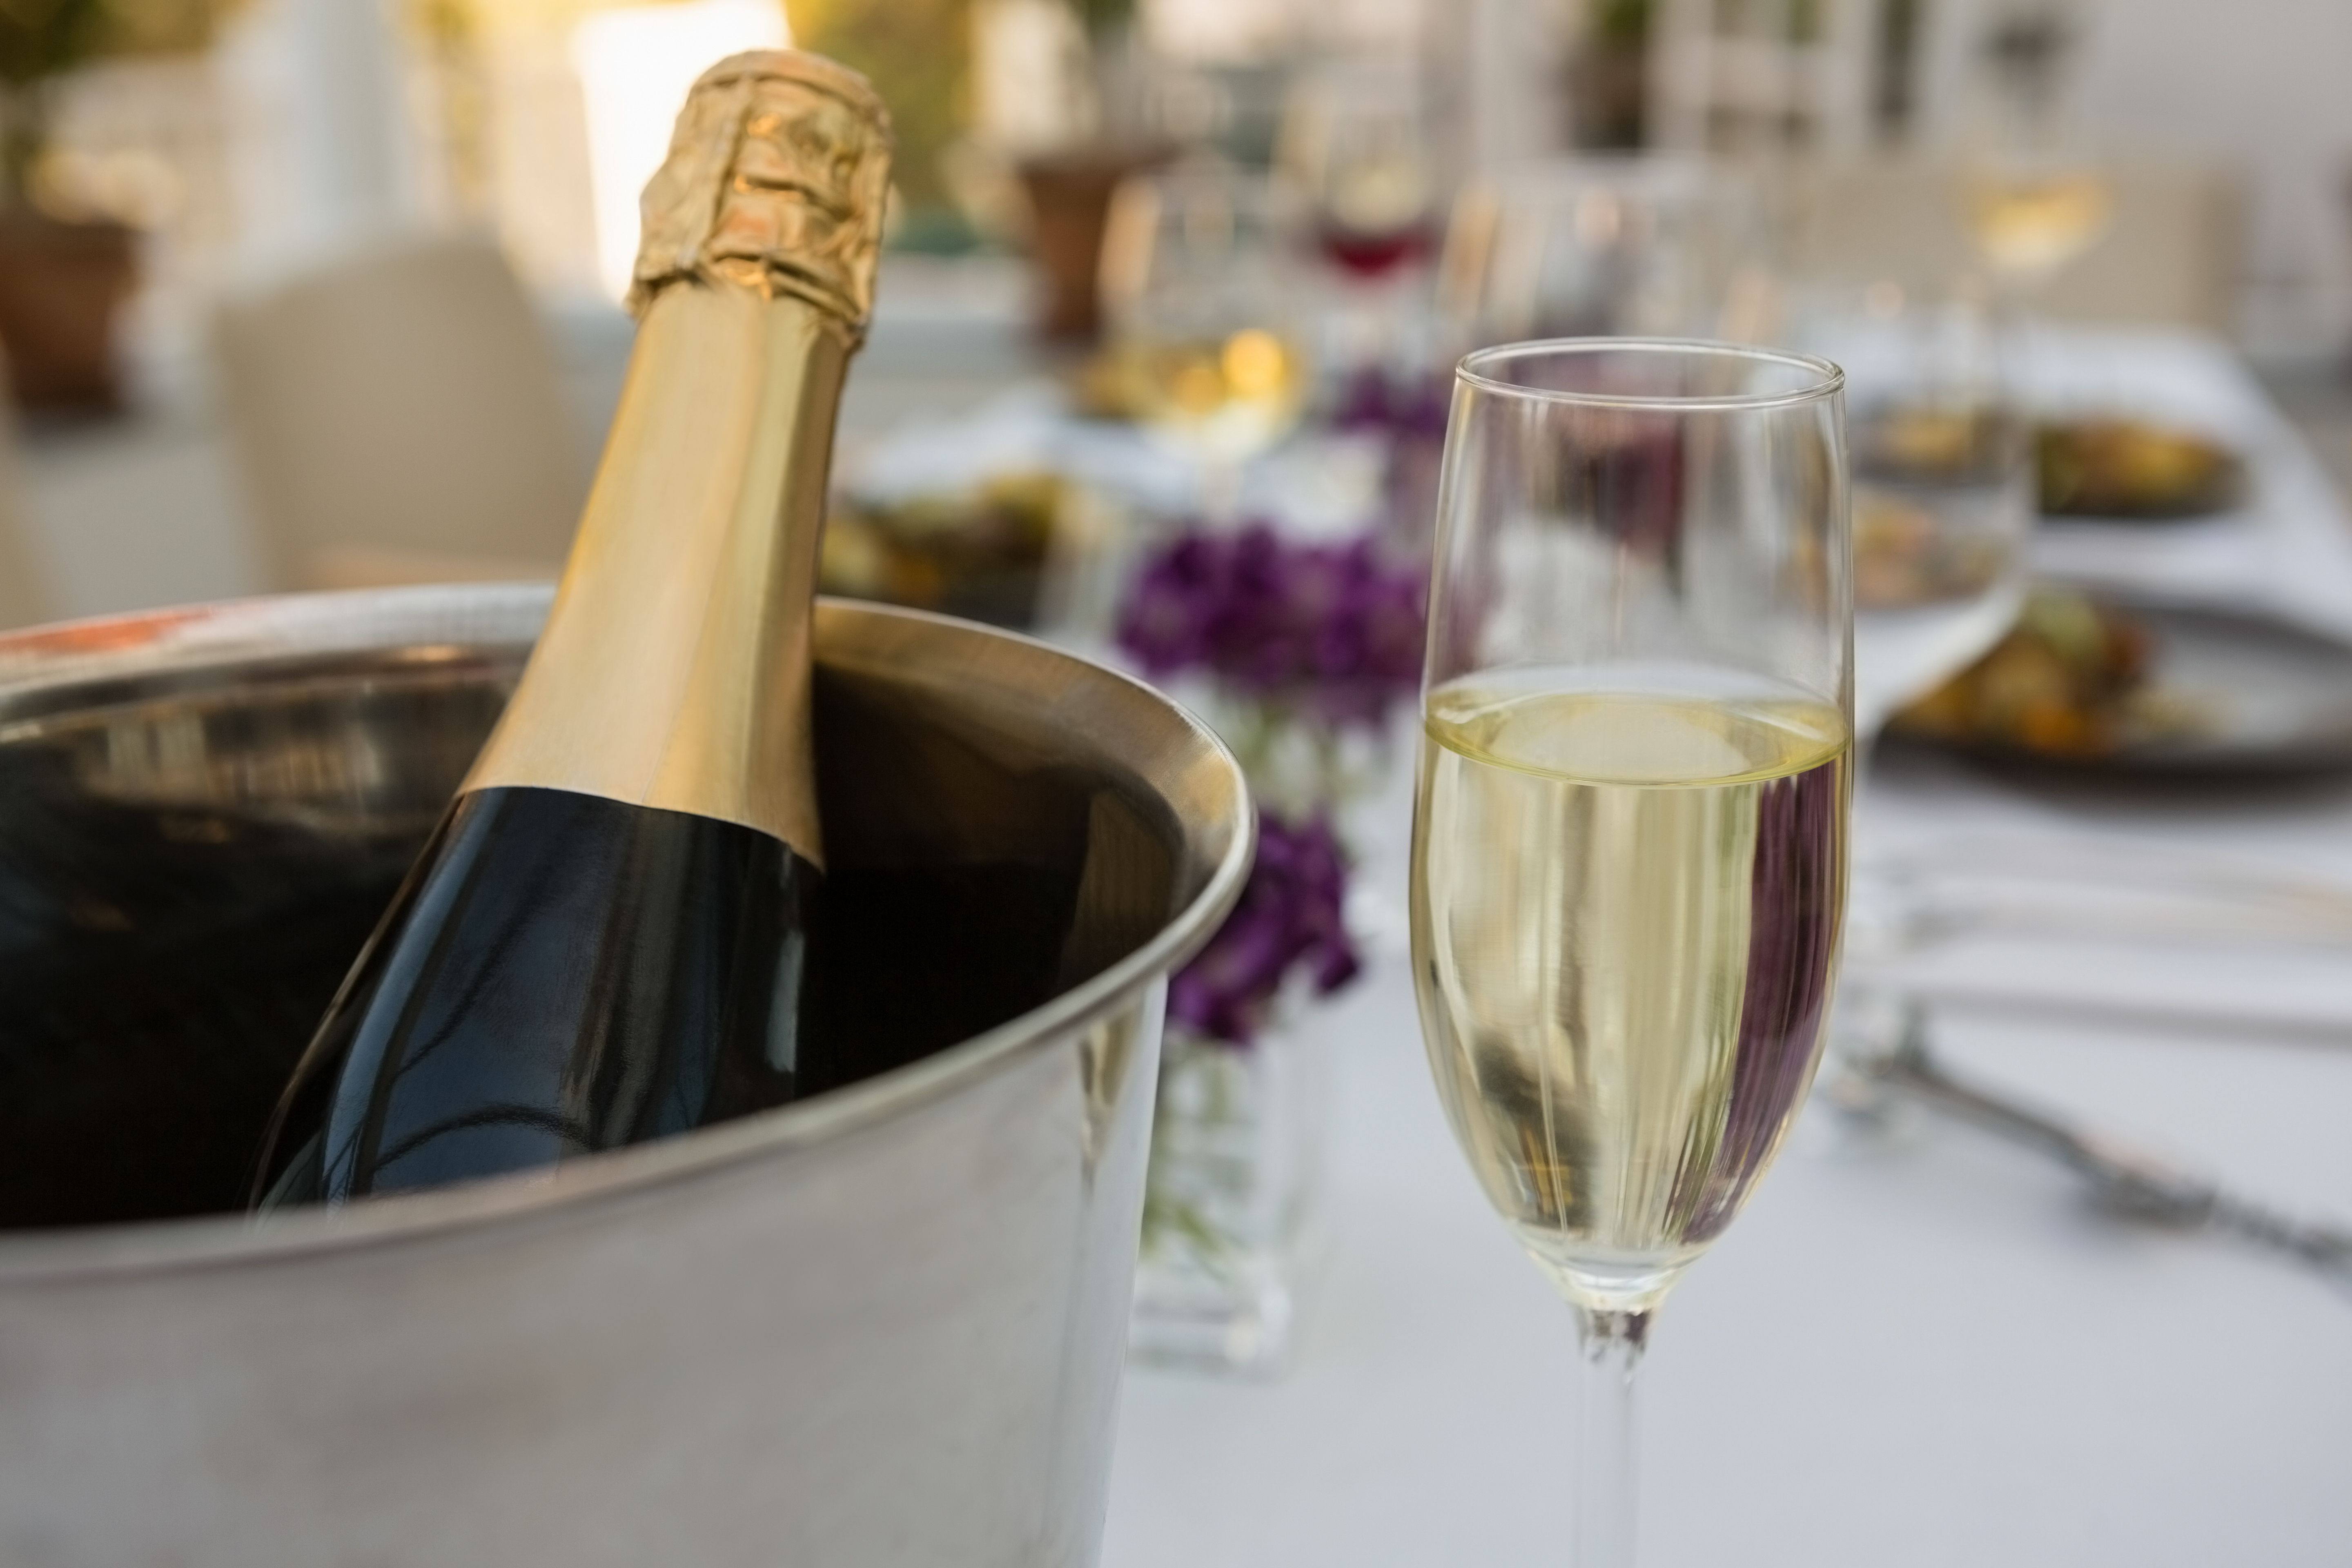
{"x":1372,"y":253}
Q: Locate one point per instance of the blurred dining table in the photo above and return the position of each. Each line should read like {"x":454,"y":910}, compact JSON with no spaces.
{"x":1914,"y":1350}
{"x":1920,"y":1347}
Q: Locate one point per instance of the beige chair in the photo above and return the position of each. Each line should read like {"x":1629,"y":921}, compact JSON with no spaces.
{"x":399,"y":418}
{"x":2169,"y":254}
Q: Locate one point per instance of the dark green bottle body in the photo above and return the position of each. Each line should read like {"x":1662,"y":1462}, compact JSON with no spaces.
{"x":562,"y":973}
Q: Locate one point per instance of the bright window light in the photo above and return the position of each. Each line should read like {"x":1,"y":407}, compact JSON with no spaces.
{"x":634,"y":66}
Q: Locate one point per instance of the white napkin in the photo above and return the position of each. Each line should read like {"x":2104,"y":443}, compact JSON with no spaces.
{"x":2202,"y":915}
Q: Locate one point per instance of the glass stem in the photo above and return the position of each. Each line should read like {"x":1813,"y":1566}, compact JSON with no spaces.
{"x":1881,"y":920}
{"x":1607,"y":1480}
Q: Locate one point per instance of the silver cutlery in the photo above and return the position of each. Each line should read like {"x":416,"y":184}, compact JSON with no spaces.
{"x":2122,"y":1178}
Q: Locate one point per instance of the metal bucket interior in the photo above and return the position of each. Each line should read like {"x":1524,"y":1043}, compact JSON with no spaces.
{"x":204,"y":814}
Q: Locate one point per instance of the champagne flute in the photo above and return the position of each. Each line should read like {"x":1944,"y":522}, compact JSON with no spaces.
{"x":1629,"y":838}
{"x":2030,"y":218}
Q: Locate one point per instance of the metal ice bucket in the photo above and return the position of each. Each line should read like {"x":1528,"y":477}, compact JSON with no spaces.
{"x":878,"y":1329}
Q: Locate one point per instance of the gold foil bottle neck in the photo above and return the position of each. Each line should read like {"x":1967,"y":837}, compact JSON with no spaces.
{"x":674,"y":668}
{"x":776,"y":179}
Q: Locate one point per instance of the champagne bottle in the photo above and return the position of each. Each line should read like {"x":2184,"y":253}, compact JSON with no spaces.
{"x":608,"y":938}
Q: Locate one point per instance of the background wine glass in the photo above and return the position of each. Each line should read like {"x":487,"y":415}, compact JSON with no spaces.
{"x":1355,"y":144}
{"x":1631,"y":245}
{"x":1629,"y":837}
{"x":2030,"y":218}
{"x":1943,"y":502}
{"x":2034,"y":199}
{"x":1198,"y":277}
{"x":1943,"y":511}
{"x":1355,"y":139}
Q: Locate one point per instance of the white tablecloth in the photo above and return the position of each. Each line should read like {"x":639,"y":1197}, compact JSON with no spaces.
{"x":1912,"y":1357}
{"x":1905,"y":1354}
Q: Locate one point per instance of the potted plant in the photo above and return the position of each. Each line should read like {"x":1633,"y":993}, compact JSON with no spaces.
{"x":1608,"y":78}
{"x":1070,"y":186}
{"x":63,"y":277}
{"x":1301,"y":653}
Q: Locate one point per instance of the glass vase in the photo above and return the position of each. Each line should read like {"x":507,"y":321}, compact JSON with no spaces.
{"x":1232,"y":1211}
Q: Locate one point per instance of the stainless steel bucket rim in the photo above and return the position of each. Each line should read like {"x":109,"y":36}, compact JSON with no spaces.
{"x":76,"y":652}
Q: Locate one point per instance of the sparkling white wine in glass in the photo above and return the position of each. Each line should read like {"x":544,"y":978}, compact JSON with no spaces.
{"x":2029,"y":225}
{"x":1626,"y":916}
{"x":1629,"y":854}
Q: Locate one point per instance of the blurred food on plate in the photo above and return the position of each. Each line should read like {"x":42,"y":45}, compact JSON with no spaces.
{"x":2071,"y":679}
{"x":2107,"y":467}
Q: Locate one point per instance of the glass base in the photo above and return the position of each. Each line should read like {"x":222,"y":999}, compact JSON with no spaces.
{"x":1231,"y":1230}
{"x":1239,"y":1328}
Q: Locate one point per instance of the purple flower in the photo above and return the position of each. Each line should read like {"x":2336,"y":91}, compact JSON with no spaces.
{"x":1400,"y":407}
{"x":1333,"y":630}
{"x":1290,"y":918}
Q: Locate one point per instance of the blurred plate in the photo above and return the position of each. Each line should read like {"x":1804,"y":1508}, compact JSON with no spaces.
{"x":2113,"y":468}
{"x":2239,"y":692}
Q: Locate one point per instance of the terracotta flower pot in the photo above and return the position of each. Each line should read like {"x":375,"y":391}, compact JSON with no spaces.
{"x":1069,"y":202}
{"x":61,"y":288}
